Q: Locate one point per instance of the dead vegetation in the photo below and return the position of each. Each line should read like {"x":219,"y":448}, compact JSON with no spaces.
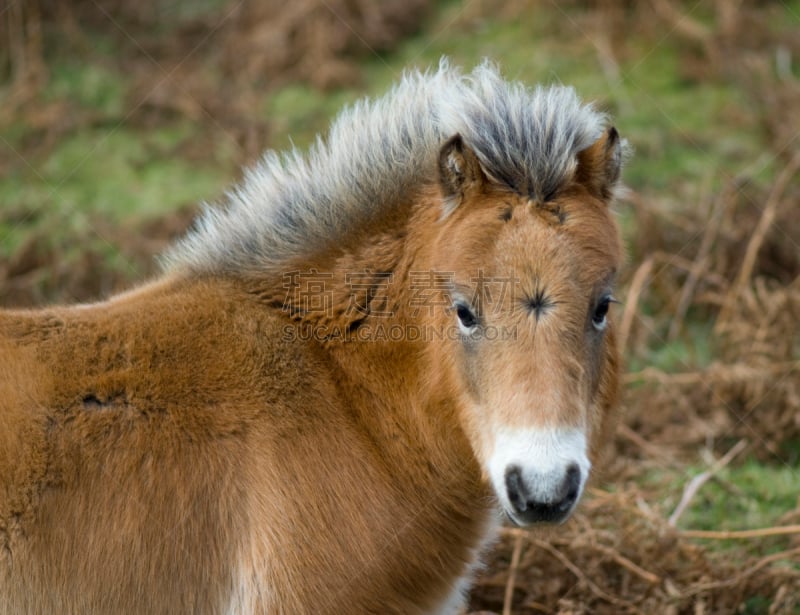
{"x":210,"y":65}
{"x":734,"y":265}
{"x":723,"y":269}
{"x":618,"y":556}
{"x":256,"y":42}
{"x":312,"y":40}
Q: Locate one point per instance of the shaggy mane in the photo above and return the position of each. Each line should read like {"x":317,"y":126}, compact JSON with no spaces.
{"x":379,"y":150}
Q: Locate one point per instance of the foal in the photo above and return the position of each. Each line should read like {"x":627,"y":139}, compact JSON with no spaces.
{"x":342,"y":376}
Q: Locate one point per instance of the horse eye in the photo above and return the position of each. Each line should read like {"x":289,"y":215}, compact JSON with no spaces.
{"x":600,"y":313}
{"x":465,"y":316}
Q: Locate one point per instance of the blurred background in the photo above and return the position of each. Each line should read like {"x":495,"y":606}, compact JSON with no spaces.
{"x":118,"y":118}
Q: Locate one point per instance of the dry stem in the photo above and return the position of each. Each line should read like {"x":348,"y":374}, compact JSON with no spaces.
{"x":512,"y":574}
{"x":569,"y":565}
{"x":781,"y":530}
{"x":698,"y":481}
{"x":760,"y":233}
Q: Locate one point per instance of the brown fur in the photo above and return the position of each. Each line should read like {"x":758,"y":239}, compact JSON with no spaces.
{"x":177,"y":446}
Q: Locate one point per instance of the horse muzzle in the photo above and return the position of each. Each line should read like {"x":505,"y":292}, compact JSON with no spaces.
{"x":539,"y":474}
{"x":548,"y":498}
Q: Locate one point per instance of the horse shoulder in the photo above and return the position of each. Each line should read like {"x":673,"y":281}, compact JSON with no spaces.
{"x":125,"y":431}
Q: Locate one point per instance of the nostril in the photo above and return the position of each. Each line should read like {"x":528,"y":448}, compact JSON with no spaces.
{"x":515,"y":489}
{"x":572,"y":484}
{"x":573,"y":476}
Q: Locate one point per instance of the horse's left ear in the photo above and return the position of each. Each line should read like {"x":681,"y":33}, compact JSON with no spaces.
{"x":599,"y":165}
{"x":459,"y":171}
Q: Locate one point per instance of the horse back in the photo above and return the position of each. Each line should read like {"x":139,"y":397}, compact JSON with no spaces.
{"x":126,"y":435}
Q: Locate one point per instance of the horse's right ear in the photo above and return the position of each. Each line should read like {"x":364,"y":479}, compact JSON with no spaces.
{"x":459,"y":171}
{"x":600,"y":164}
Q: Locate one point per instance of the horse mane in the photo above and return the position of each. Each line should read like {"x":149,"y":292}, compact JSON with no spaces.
{"x":379,"y":150}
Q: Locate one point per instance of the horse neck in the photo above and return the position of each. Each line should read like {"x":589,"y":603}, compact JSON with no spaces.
{"x":395,"y":386}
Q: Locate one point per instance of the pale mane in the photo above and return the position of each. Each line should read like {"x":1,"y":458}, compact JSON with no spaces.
{"x":377,"y":151}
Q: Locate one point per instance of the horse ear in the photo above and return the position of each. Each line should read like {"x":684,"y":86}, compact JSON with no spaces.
{"x":599,"y":165}
{"x":459,"y":170}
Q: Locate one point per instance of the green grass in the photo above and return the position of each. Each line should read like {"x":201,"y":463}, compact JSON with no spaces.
{"x":740,"y":497}
{"x":761,"y":494}
{"x":94,"y":87}
{"x":692,"y":350}
{"x":297,"y":113}
{"x":119,"y":175}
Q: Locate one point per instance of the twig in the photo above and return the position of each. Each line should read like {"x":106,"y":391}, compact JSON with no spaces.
{"x":688,"y":27}
{"x":651,"y":374}
{"x":699,"y":265}
{"x":512,"y":573}
{"x":632,"y":300}
{"x":770,"y":210}
{"x":760,"y":233}
{"x":623,"y":561}
{"x":651,"y":449}
{"x":704,"y":587}
{"x":781,"y":530}
{"x":582,"y":577}
{"x":728,"y":373}
{"x":698,"y":481}
{"x":610,"y":67}
{"x":643,"y":275}
{"x":679,"y":262}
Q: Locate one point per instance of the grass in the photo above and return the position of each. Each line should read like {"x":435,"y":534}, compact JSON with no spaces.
{"x":95,"y":87}
{"x":691,"y":351}
{"x":746,"y":496}
{"x":751,"y":495}
{"x":119,"y":175}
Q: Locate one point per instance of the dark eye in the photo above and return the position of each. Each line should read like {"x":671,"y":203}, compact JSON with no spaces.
{"x":466,"y":317}
{"x":600,"y":313}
